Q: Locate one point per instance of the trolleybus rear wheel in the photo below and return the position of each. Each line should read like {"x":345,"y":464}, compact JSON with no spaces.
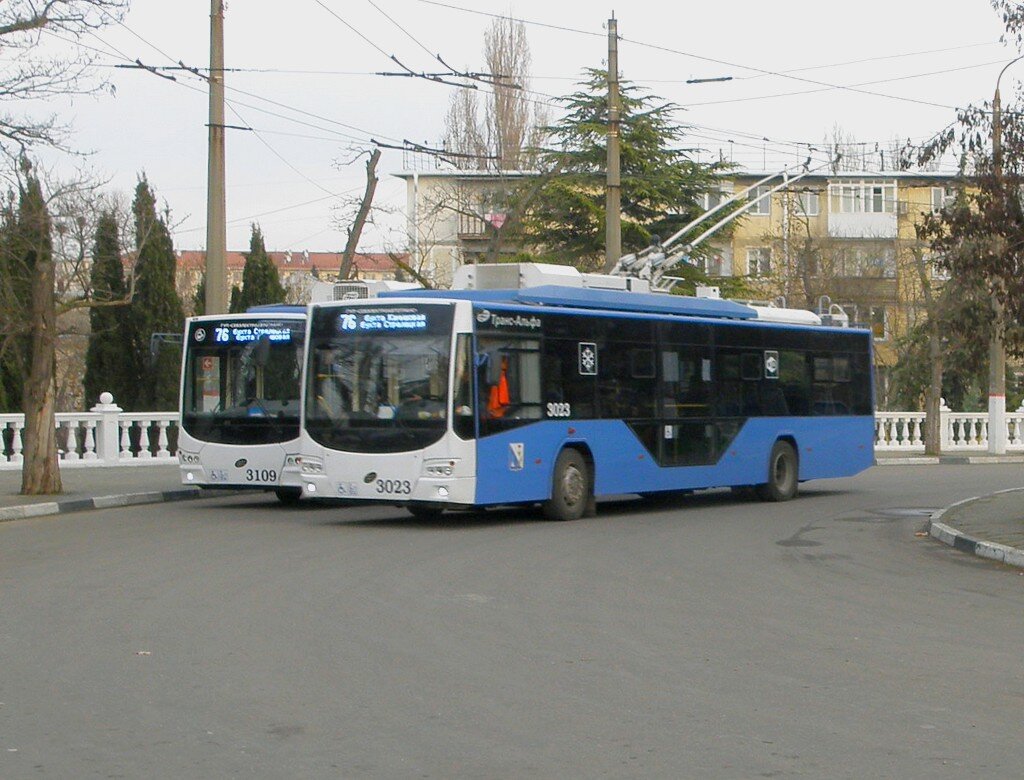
{"x":571,"y":490}
{"x":782,"y":474}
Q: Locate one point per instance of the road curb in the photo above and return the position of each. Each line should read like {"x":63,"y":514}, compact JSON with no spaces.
{"x":25,"y":511}
{"x":958,"y":540}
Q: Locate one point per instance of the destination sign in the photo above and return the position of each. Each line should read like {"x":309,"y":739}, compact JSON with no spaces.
{"x":382,"y":321}
{"x":228,"y":333}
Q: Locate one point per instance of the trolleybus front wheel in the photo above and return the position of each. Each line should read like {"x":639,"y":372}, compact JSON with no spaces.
{"x":571,"y":491}
{"x":782,"y":474}
{"x":288,"y":496}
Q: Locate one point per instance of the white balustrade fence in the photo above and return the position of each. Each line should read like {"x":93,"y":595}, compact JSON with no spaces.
{"x":108,"y":436}
{"x":104,"y":436}
{"x":959,"y":431}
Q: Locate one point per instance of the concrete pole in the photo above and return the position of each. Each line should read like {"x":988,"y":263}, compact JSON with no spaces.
{"x":613,"y":192}
{"x":997,"y":433}
{"x":216,"y":210}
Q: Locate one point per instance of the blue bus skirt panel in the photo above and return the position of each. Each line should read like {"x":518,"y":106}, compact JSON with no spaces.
{"x":517,"y":465}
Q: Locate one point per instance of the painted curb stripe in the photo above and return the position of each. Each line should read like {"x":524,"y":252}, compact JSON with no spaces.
{"x":964,"y":543}
{"x":47,"y":508}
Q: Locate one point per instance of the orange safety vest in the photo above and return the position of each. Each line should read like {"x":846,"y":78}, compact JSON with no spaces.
{"x":498,"y":398}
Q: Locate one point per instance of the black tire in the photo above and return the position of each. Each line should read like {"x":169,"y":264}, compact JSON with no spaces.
{"x":425,"y":511}
{"x":288,"y":496}
{"x":783,"y":476}
{"x":572,"y":492}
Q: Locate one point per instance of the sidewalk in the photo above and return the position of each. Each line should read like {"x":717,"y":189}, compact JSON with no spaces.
{"x":990,"y":526}
{"x":95,"y":488}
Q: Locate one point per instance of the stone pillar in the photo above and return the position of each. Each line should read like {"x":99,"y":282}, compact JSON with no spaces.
{"x":108,"y":435}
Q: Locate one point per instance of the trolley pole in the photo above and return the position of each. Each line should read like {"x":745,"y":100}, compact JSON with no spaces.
{"x":613,"y":191}
{"x":216,"y":219}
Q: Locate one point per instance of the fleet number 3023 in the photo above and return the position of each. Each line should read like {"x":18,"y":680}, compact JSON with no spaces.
{"x":559,"y":410}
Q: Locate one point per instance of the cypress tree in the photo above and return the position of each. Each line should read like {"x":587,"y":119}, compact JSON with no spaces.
{"x":261,"y":283}
{"x":12,"y":303}
{"x":155,"y":309}
{"x":199,"y":299}
{"x":40,"y":472}
{"x":110,"y":338}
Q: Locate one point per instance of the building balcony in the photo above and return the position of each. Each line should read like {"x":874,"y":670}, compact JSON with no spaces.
{"x":862,"y":225}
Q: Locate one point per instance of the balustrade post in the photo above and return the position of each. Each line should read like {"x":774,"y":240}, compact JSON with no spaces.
{"x":945,"y":440}
{"x":108,"y":434}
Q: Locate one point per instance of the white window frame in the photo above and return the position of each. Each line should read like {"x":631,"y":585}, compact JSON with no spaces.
{"x":759,"y":261}
{"x":862,"y":197}
{"x":942,"y":197}
{"x":762,"y":208}
{"x":808,"y":203}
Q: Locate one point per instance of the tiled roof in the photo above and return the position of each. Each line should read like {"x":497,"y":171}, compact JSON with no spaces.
{"x":369,"y":262}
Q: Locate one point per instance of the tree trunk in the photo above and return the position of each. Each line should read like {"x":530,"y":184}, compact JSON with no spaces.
{"x":356,"y":230}
{"x":40,"y":473}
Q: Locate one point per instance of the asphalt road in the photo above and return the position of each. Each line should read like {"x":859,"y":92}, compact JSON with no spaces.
{"x":712,"y":638}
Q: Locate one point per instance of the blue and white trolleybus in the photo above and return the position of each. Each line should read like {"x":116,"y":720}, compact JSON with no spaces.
{"x":559,"y":393}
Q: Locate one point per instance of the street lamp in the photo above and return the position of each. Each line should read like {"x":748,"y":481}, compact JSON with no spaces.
{"x":997,"y":432}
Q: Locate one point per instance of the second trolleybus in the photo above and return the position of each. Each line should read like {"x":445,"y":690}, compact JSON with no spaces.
{"x":557,"y":394}
{"x":240,"y":400}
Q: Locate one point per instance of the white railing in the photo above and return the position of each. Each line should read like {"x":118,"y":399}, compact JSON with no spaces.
{"x":959,"y":431}
{"x":104,"y":436}
{"x":108,"y":436}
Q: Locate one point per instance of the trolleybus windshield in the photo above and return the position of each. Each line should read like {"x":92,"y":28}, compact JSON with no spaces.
{"x":378,"y":377}
{"x":242,"y":380}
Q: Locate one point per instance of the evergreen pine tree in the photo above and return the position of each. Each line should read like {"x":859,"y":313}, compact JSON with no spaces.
{"x":235,"y":304}
{"x":155,"y":309}
{"x":110,"y":338}
{"x":661,"y":183}
{"x":261,"y":283}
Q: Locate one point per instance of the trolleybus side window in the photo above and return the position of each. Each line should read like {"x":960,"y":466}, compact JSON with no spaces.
{"x":509,"y":381}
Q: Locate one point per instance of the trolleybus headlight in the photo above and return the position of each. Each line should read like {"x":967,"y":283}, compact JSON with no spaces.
{"x":292,"y":460}
{"x":188,"y":458}
{"x":439,"y":467}
{"x":312,"y":465}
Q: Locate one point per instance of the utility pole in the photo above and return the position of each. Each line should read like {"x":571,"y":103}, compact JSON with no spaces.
{"x":997,"y":433}
{"x":613,"y":191}
{"x":216,"y":210}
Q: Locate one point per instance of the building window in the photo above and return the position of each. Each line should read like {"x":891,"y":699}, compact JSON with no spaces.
{"x":763,"y":207}
{"x":711,"y":200}
{"x":759,"y":260}
{"x":874,"y":318}
{"x":808,"y":204}
{"x":879,"y":322}
{"x":942,"y":197}
{"x":871,"y":262}
{"x":862,"y":198}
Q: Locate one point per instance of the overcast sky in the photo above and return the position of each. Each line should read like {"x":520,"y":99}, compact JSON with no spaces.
{"x":307,"y":87}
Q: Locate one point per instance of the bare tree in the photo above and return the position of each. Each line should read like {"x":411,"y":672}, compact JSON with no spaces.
{"x":355,"y":230}
{"x":512,"y":119}
{"x":27,"y":29}
{"x":511,"y":122}
{"x":463,"y":134}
